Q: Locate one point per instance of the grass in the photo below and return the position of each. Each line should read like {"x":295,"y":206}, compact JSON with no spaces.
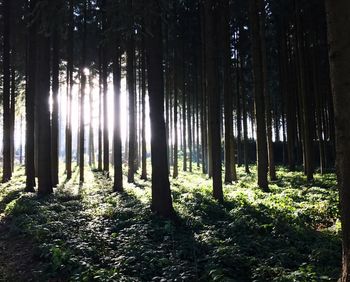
{"x":87,"y":233}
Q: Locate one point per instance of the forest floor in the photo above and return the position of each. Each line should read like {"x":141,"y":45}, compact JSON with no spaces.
{"x":87,"y":233}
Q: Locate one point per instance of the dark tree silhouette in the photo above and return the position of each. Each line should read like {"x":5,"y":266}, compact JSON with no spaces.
{"x":161,"y":197}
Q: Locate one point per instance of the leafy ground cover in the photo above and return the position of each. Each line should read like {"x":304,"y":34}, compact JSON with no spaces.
{"x":86,"y":233}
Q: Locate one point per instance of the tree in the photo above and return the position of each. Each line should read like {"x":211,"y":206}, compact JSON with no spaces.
{"x":55,"y":90}
{"x":211,"y":60}
{"x":44,"y":123}
{"x":82,"y":99}
{"x":130,"y":56}
{"x":176,"y":116}
{"x":143,"y":118}
{"x":338,"y":16}
{"x":261,"y":143}
{"x":105,"y":90}
{"x":230,"y":171}
{"x":30,"y":98}
{"x":161,"y":196}
{"x":268,"y":117}
{"x":70,"y":82}
{"x":7,"y":170}
{"x":118,"y":166}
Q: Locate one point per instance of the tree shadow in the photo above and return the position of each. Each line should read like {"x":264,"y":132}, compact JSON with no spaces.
{"x":99,"y":235}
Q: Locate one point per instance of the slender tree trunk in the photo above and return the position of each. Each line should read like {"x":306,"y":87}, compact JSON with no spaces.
{"x":117,"y":141}
{"x":261,"y":142}
{"x":204,"y":120}
{"x":69,"y":91}
{"x":130,"y":50}
{"x":105,"y":97}
{"x":271,"y":158}
{"x":245,"y":131}
{"x":305,"y":109}
{"x":105,"y":118}
{"x":143,"y":102}
{"x":21,"y":141}
{"x":99,"y":156}
{"x":239,"y":114}
{"x":7,"y":171}
{"x":244,"y":106}
{"x":30,"y":99}
{"x":44,"y":126}
{"x":13,"y":110}
{"x":213,"y":96}
{"x":338,"y":16}
{"x":189,"y":131}
{"x":184,"y":117}
{"x":82,"y":101}
{"x":161,"y":196}
{"x":176,"y":130}
{"x":91,"y":128}
{"x":230,"y":170}
{"x":55,"y":89}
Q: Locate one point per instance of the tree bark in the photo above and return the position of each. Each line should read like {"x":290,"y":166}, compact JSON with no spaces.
{"x":230,"y":170}
{"x":44,"y":126}
{"x":99,"y":153}
{"x":91,"y":128}
{"x":161,"y":196}
{"x":117,"y":141}
{"x":30,"y":99}
{"x":176,"y":130}
{"x":268,"y":117}
{"x":70,"y":66}
{"x":13,"y":109}
{"x":214,"y":97}
{"x":82,"y":100}
{"x":130,"y":54}
{"x":7,"y":171}
{"x":143,"y":120}
{"x":261,"y":142}
{"x":338,"y":16}
{"x":55,"y":89}
{"x":105,"y":98}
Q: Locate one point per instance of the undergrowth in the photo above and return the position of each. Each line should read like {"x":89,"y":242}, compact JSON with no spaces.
{"x":87,"y":233}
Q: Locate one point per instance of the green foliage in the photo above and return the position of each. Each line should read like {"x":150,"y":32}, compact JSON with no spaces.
{"x":88,"y":233}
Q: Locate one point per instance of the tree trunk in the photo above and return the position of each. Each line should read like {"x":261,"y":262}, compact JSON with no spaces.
{"x":30,"y":100}
{"x":7,"y":171}
{"x":21,"y":141}
{"x":184,"y":117}
{"x":244,"y":105}
{"x":13,"y":109}
{"x":143,"y":103}
{"x":44,"y":126}
{"x":82,"y":101}
{"x":261,"y":143}
{"x":117,"y":141}
{"x":176,"y":130}
{"x":271,"y":158}
{"x":70,"y":83}
{"x":161,"y":196}
{"x":214,"y":97}
{"x":189,"y":130}
{"x":338,"y":16}
{"x":91,"y":128}
{"x":304,"y":99}
{"x":230,"y":171}
{"x":130,"y":54}
{"x":55,"y":89}
{"x":99,"y":153}
{"x":105,"y":98}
